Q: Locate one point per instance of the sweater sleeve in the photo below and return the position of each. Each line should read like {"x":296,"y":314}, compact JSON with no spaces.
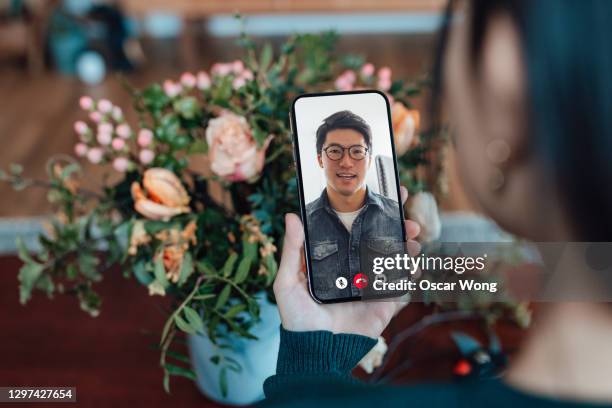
{"x":316,"y":356}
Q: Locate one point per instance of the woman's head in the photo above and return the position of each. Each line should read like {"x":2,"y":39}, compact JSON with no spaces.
{"x":528,"y":90}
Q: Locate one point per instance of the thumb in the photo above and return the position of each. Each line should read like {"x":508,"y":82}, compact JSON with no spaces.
{"x":403,"y":194}
{"x":291,"y":259}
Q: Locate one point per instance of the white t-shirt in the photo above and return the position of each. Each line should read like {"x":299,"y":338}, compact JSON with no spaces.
{"x":347,"y":218}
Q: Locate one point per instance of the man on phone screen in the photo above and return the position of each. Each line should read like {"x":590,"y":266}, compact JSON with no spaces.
{"x":349,"y":224}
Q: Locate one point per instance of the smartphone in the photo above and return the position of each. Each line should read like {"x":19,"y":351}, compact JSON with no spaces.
{"x":349,"y":194}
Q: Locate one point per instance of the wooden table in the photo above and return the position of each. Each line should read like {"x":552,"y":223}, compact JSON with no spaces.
{"x":111,"y":361}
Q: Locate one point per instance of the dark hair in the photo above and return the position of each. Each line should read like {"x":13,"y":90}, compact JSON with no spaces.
{"x":343,"y":120}
{"x":568,"y":61}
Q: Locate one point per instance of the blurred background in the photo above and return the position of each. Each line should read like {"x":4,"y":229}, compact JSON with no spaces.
{"x":51,"y":53}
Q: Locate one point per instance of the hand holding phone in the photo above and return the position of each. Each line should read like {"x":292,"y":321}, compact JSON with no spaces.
{"x":299,"y":312}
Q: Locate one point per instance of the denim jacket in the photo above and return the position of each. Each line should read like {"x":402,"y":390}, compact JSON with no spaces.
{"x":334,"y":252}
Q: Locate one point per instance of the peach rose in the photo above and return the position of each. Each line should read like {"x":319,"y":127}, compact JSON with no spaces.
{"x":176,"y":243}
{"x":405,"y":126}
{"x":233,"y":152}
{"x":163,"y":195}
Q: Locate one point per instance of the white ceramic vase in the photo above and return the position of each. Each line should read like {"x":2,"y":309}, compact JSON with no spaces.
{"x":256,"y":357}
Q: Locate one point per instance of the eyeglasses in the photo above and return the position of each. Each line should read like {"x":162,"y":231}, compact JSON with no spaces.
{"x":336,"y":152}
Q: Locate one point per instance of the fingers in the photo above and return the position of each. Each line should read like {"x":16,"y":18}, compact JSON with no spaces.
{"x":291,"y":259}
{"x":403,"y":194}
{"x":413,"y":229}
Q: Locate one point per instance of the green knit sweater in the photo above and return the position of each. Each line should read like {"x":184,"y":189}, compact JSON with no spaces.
{"x":314,"y":370}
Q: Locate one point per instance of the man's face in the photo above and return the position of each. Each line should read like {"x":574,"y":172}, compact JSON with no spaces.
{"x":347,"y":175}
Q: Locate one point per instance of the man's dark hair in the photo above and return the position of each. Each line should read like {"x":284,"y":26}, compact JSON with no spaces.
{"x":343,"y":120}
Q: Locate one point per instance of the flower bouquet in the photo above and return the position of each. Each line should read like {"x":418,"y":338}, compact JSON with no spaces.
{"x":205,"y":177}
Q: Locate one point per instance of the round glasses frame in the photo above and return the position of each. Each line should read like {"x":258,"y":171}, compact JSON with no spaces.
{"x":351,"y":151}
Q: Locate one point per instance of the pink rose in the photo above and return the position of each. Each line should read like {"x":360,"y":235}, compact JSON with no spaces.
{"x":146,"y":156}
{"x":124,"y":131}
{"x":343,"y":85}
{"x":145,"y":137}
{"x":367,"y":70}
{"x":384,"y":72}
{"x":121,"y":164}
{"x":237,"y":67}
{"x":95,"y":116}
{"x":86,"y":103}
{"x":80,"y":149}
{"x":233,"y":152}
{"x":118,"y":143}
{"x":104,"y":138}
{"x":203,"y":81}
{"x":105,"y":128}
{"x":384,"y":84}
{"x":221,"y":69}
{"x":172,"y":89}
{"x":94,"y":155}
{"x":238,"y":82}
{"x":105,"y":106}
{"x":188,"y":80}
{"x":117,"y":114}
{"x":81,"y":127}
{"x":247,"y":74}
{"x":345,"y":81}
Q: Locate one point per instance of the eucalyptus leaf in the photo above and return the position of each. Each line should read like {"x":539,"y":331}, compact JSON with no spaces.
{"x":153,"y":227}
{"x":234,"y":310}
{"x":183,"y":325}
{"x":194,"y":319}
{"x":187,"y":107}
{"x":207,"y":269}
{"x":45,"y":284}
{"x":141,"y":273}
{"x":180,"y":371}
{"x":160,"y":272}
{"x":223,"y":296}
{"x":122,"y":235}
{"x":249,"y":249}
{"x":228,"y":267}
{"x":29,"y":273}
{"x":22,"y":250}
{"x":266,"y":57}
{"x":243,"y":270}
{"x":186,"y":269}
{"x":88,"y":265}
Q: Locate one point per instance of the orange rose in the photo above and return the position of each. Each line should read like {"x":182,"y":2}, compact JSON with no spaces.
{"x":405,"y":126}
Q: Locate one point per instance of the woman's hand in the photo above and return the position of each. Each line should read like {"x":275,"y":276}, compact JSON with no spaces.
{"x":299,"y":312}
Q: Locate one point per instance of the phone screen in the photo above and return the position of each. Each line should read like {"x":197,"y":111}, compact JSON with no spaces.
{"x":349,"y":193}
